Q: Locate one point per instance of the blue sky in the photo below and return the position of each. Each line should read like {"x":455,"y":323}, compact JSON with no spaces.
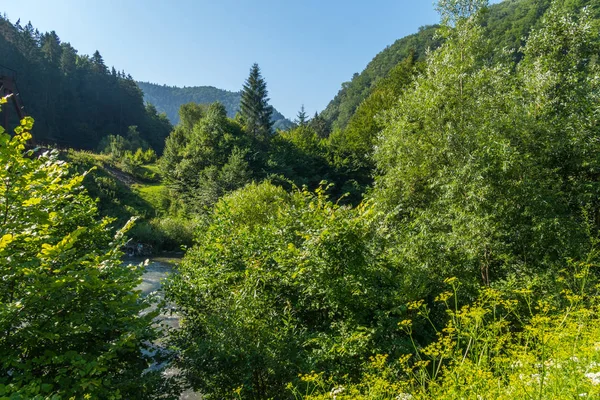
{"x":305,"y":49}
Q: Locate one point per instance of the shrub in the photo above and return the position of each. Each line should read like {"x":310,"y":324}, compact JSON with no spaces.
{"x":71,"y":323}
{"x":176,"y":232}
{"x":281,"y":284}
{"x":165,"y":233}
{"x":505,"y":345}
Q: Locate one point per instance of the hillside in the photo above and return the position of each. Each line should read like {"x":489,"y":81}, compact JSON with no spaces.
{"x":168,"y":99}
{"x":76,"y":99}
{"x":508,"y":24}
{"x":344,"y":104}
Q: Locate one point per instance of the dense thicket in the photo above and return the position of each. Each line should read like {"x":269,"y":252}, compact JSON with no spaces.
{"x":209,"y":155}
{"x":77,"y":99}
{"x":487,"y":168}
{"x":279,"y":284}
{"x":205,"y":157}
{"x":351,"y":148}
{"x":169,"y":99}
{"x":339,"y":111}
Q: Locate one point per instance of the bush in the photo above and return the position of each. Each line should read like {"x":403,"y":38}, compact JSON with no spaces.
{"x":281,"y":284}
{"x":177,"y":233}
{"x":71,"y":323}
{"x":165,"y":233}
{"x":508,"y":344}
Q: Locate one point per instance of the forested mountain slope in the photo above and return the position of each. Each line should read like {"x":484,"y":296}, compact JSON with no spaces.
{"x":344,"y":104}
{"x":508,"y":24}
{"x":75,"y":98}
{"x":169,"y":99}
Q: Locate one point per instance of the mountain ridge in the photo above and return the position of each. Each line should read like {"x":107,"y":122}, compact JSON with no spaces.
{"x":168,"y":99}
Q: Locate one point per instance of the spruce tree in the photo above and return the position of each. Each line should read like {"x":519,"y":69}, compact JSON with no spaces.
{"x":319,"y":124}
{"x":254,"y":105}
{"x":98,"y":63}
{"x":302,"y":117}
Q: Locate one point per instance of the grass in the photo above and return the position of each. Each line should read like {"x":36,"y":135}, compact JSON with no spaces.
{"x":155,"y":194}
{"x":122,"y":195}
{"x":117,"y":198}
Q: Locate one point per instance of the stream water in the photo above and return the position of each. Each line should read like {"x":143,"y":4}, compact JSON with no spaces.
{"x":158,"y":268}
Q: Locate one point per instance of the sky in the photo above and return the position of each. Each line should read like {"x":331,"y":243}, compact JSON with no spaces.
{"x":305,"y":49}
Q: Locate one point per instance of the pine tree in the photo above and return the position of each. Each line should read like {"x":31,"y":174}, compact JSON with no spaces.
{"x":68,"y":59}
{"x":320,"y":126}
{"x":98,"y":63}
{"x":302,"y":117}
{"x":254,"y":105}
{"x":50,"y":46}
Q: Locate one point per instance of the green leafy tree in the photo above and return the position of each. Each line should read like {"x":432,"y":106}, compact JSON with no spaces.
{"x":254,"y":105}
{"x":487,"y":169}
{"x":300,"y":156}
{"x":281,"y":284}
{"x":205,"y":157}
{"x":351,"y":149}
{"x":72,"y":324}
{"x":191,"y":113}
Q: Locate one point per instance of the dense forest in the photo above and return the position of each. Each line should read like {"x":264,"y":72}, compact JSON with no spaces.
{"x":432,"y":234}
{"x":77,"y":99}
{"x":169,"y":99}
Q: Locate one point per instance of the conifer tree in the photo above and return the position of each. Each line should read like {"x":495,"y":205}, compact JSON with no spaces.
{"x":254,"y":106}
{"x":98,"y":63}
{"x":319,"y":124}
{"x":302,"y":117}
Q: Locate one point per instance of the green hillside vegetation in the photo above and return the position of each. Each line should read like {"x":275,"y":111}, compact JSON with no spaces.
{"x":123,"y":194}
{"x":339,"y":111}
{"x":440,"y":242}
{"x":168,"y":100}
{"x":351,"y":149}
{"x":508,"y":25}
{"x":77,"y":99}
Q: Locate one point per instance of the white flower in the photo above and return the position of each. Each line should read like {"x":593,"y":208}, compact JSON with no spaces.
{"x":335,"y":391}
{"x":594,"y":378}
{"x":404,"y":396}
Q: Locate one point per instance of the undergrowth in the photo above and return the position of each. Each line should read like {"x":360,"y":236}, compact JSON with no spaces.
{"x":508,"y":344}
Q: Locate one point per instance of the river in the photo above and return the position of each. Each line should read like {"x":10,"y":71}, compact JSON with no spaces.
{"x":156,"y":270}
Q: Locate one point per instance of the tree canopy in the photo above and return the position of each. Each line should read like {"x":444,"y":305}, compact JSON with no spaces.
{"x":72,"y":324}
